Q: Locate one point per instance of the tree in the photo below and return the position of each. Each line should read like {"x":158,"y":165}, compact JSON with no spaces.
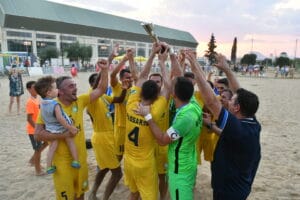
{"x":73,"y":51}
{"x":267,"y":61}
{"x":78,"y":52}
{"x":85,"y":53}
{"x":210,"y":53}
{"x":249,"y":59}
{"x":48,"y":53}
{"x":282,"y":61}
{"x":233,"y":51}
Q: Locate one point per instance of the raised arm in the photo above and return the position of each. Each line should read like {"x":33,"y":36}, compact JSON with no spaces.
{"x":162,"y":57}
{"x":132,"y":66}
{"x":223,"y":65}
{"x":175,"y":65}
{"x":125,"y":87}
{"x":207,"y":93}
{"x":103,"y":82}
{"x":146,"y":70}
{"x":113,"y":54}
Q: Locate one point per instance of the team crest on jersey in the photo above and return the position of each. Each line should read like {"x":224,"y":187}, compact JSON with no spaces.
{"x":132,"y":91}
{"x":85,"y":185}
{"x":74,"y":109}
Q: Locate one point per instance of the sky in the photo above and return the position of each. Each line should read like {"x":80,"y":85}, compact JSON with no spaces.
{"x":267,"y":26}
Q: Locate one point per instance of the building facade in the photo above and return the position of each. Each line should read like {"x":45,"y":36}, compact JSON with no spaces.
{"x":28,"y":26}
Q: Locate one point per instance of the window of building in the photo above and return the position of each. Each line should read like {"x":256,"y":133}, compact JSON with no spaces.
{"x":141,"y":52}
{"x":120,"y":42}
{"x":68,"y":38}
{"x":132,"y":44}
{"x":45,"y":36}
{"x":40,"y":45}
{"x":104,"y":41}
{"x":19,"y":45}
{"x":141,"y":45}
{"x":104,"y":50}
{"x":18,"y":34}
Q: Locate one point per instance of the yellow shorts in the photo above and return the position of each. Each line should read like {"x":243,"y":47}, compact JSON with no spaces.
{"x":207,"y":143}
{"x":161,"y":157}
{"x":141,"y":178}
{"x":104,"y":149}
{"x":69,"y":181}
{"x":119,"y":135}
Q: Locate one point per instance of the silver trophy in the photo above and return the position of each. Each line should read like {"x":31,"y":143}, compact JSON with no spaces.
{"x":150,"y":30}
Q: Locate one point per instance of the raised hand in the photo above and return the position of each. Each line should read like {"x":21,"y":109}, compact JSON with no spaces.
{"x":163,"y":56}
{"x":102,"y":64}
{"x":221,"y":62}
{"x":156,"y":47}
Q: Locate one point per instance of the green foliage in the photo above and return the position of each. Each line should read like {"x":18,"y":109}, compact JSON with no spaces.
{"x":85,"y":53}
{"x":282,"y":61}
{"x":76,"y":52}
{"x":210,"y":53}
{"x":233,"y":51}
{"x":267,"y":61}
{"x":48,"y":53}
{"x":73,"y":51}
{"x":249,"y":59}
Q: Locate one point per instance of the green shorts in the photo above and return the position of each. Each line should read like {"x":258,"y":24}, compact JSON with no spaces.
{"x":181,"y":186}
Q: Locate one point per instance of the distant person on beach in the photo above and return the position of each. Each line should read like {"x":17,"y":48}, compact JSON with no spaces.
{"x":237,"y":153}
{"x":71,"y":183}
{"x":56,"y":121}
{"x":32,"y":111}
{"x":74,"y":70}
{"x":15,"y":87}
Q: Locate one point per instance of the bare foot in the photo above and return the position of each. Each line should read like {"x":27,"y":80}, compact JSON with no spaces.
{"x":41,"y":173}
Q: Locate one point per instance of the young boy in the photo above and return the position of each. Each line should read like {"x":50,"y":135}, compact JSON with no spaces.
{"x":32,"y":111}
{"x":56,"y":121}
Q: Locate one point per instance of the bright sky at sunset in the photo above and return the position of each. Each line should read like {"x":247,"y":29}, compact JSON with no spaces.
{"x":272,"y":25}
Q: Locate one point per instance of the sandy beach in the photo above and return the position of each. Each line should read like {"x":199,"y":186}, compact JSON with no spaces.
{"x":278,"y":175}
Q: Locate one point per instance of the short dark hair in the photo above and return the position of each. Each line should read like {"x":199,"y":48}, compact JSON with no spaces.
{"x":29,"y":84}
{"x":93,"y":79}
{"x":150,"y":90}
{"x":183,"y":89}
{"x":223,"y":81}
{"x":229,"y":92}
{"x":60,"y":80}
{"x":189,"y":75}
{"x":156,"y":74}
{"x":43,"y":85}
{"x":248,"y":102}
{"x":123,"y":71}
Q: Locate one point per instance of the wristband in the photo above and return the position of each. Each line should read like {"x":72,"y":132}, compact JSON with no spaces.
{"x":148,"y":117}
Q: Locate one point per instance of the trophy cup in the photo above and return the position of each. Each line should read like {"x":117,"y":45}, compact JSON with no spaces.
{"x":149,"y":28}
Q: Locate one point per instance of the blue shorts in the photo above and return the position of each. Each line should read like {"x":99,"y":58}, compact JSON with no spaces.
{"x":36,"y":145}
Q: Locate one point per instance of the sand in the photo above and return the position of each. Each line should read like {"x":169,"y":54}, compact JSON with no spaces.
{"x":278,"y":176}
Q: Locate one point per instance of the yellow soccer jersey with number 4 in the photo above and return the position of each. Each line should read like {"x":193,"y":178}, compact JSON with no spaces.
{"x":139,"y":141}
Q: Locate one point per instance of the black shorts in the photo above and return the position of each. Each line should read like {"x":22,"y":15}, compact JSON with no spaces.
{"x":36,"y":145}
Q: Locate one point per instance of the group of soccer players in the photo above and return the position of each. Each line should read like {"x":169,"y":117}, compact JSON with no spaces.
{"x":156,"y":129}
